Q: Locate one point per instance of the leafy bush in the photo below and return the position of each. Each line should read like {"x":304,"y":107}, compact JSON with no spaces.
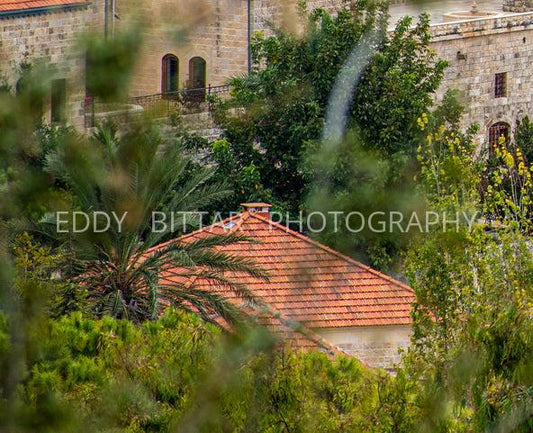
{"x":180,"y":374}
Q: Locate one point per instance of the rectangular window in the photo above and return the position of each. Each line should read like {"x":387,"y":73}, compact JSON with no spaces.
{"x":58,"y":100}
{"x":500,"y":85}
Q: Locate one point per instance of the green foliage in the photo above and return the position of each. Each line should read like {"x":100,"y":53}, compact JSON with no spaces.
{"x":37,"y":279}
{"x":131,"y":178}
{"x":27,"y":191}
{"x":110,"y":64}
{"x":275,"y":117}
{"x":179,"y":374}
{"x":281,"y":104}
{"x":433,"y":269}
{"x":338,"y":396}
{"x":469,"y":369}
{"x":523,"y":137}
{"x":128,"y":180}
{"x":348,"y":177}
{"x":397,"y":87}
{"x":473,"y":329}
{"x":450,"y":173}
{"x":110,"y":376}
{"x":472,"y":320}
{"x":508,"y":197}
{"x":4,"y":84}
{"x":245,"y":180}
{"x":50,"y":137}
{"x":31,"y":89}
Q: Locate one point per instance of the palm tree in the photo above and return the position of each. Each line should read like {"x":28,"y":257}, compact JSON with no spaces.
{"x":131,"y":177}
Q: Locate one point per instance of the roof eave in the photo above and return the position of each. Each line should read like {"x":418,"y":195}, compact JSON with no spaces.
{"x":19,"y":13}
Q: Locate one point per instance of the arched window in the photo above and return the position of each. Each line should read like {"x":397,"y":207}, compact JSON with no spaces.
{"x":197,"y":73}
{"x":170,"y":73}
{"x":497,"y":130}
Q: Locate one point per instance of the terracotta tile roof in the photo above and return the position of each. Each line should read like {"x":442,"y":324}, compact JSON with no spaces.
{"x":16,"y":5}
{"x":309,"y":283}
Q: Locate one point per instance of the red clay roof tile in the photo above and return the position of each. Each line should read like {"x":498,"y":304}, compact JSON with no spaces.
{"x":15,"y":5}
{"x":308,"y":282}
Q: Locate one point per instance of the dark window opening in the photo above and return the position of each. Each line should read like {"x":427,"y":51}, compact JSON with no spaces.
{"x":197,"y":79}
{"x":500,"y":85}
{"x":58,"y":101}
{"x":497,"y":130}
{"x":197,"y":73}
{"x":20,"y":86}
{"x":170,"y":73}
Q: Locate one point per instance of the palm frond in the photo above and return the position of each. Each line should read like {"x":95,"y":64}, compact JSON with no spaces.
{"x":152,"y":282}
{"x":136,"y":173}
{"x":210,"y":306}
{"x":216,"y":282}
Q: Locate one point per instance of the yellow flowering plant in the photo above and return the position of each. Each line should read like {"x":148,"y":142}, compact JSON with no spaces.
{"x":508,"y":195}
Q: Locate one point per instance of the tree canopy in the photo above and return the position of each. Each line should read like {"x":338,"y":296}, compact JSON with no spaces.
{"x":277,"y":112}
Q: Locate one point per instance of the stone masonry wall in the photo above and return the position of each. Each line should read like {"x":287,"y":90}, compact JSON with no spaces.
{"x":282,"y":12}
{"x":476,"y":51}
{"x":517,"y":5}
{"x":377,"y":346}
{"x":51,"y":38}
{"x":216,"y":30}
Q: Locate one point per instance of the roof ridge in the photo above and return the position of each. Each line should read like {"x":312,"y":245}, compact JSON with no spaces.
{"x":243,"y":216}
{"x":329,"y":250}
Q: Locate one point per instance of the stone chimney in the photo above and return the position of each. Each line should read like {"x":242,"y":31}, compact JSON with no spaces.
{"x":262,"y":209}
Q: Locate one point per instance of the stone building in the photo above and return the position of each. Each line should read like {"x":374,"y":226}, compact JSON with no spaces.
{"x":188,"y":43}
{"x":266,"y":12}
{"x":313,"y":296}
{"x":490,"y":65}
{"x":34,"y":32}
{"x":517,"y":5}
{"x":201,"y":43}
{"x":488,"y":48}
{"x":197,"y":43}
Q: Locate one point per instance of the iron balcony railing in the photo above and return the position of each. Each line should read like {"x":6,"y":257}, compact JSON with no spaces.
{"x":157,"y":105}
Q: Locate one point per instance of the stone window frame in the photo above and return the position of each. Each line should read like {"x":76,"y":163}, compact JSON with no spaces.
{"x":500,"y":85}
{"x":197,"y":72}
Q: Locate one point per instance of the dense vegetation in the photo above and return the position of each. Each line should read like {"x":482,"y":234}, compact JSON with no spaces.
{"x":84,"y":345}
{"x":272,"y":148}
{"x":178,"y":374}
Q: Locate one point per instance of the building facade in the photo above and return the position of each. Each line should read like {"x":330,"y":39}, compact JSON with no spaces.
{"x":489,"y":62}
{"x":488,"y":56}
{"x":201,"y":43}
{"x":188,"y":43}
{"x":36,"y":32}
